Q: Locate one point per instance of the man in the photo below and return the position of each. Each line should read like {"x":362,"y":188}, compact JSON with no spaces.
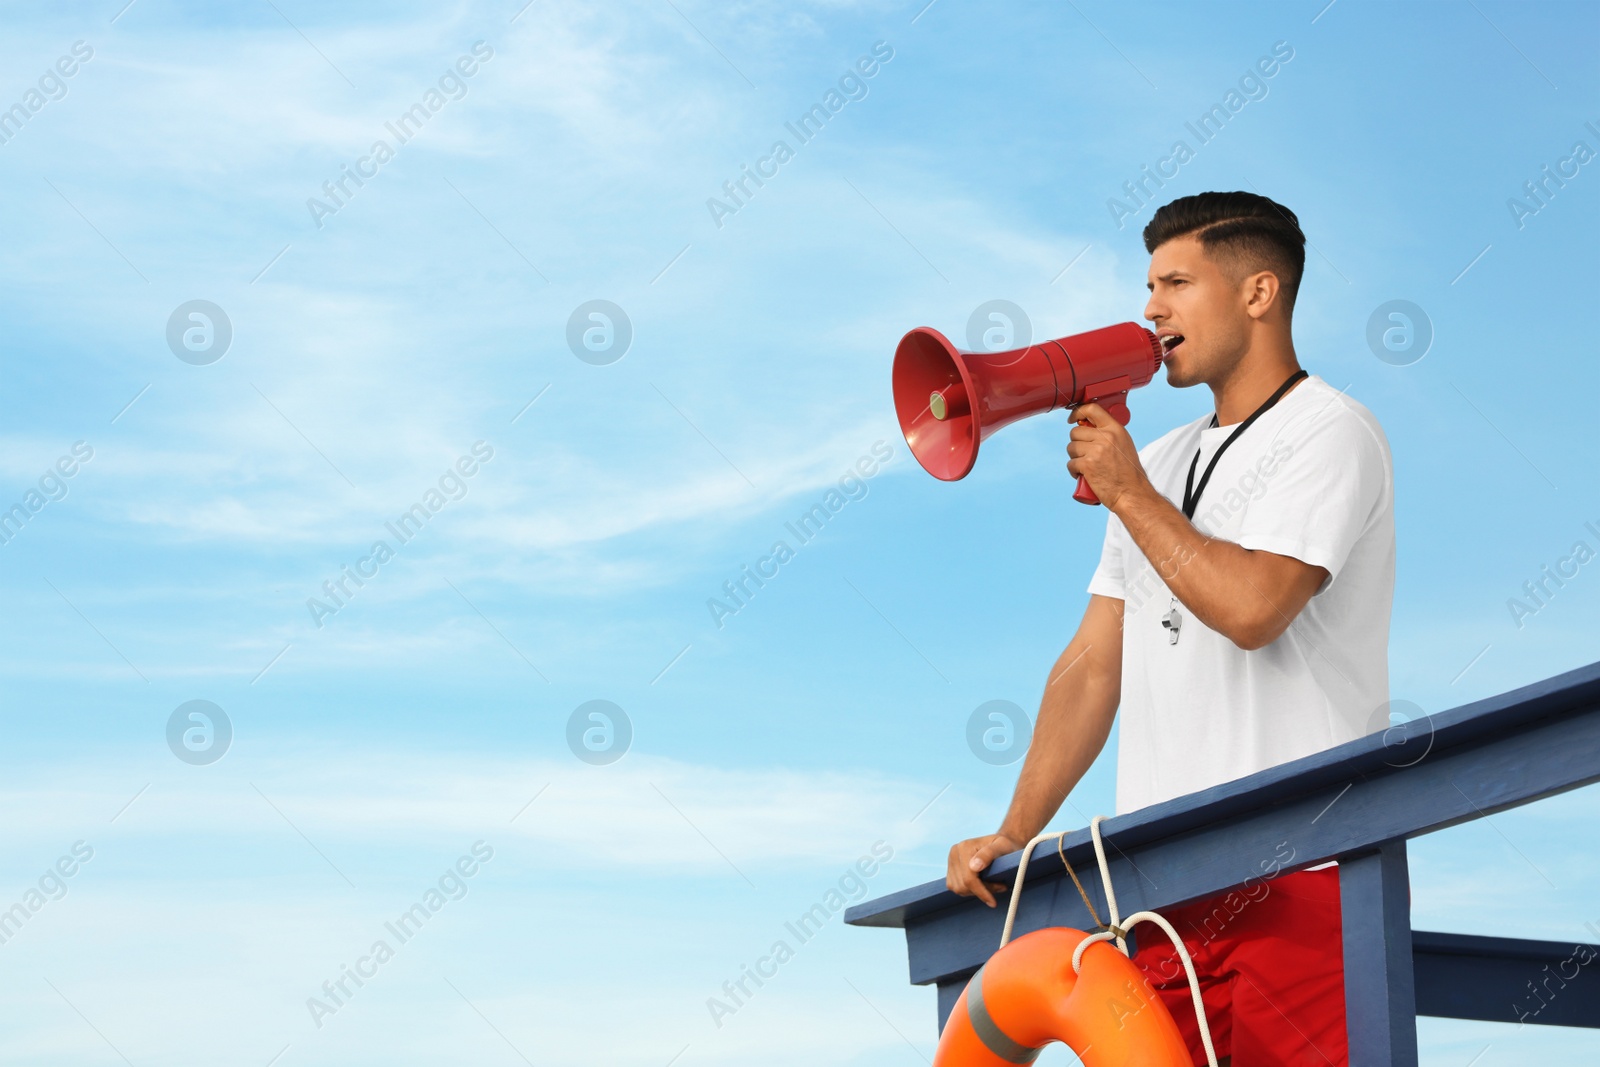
{"x":1239,"y":616}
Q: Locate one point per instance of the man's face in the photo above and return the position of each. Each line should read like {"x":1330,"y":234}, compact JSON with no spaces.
{"x":1191,"y":298}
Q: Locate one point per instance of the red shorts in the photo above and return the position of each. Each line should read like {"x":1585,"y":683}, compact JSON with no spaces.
{"x":1271,"y":967}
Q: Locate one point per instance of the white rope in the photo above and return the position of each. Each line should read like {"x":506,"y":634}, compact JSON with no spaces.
{"x":1016,"y":893}
{"x":1105,"y":880}
{"x":1117,"y":928}
{"x":1188,"y":967}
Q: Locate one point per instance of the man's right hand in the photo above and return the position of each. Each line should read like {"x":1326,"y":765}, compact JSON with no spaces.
{"x":970,"y":858}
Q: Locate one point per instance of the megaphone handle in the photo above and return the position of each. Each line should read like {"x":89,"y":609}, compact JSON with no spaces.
{"x":1116,"y":405}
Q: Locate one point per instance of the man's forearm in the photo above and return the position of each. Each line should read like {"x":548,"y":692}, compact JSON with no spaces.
{"x":1075,"y":716}
{"x":1214,"y":579}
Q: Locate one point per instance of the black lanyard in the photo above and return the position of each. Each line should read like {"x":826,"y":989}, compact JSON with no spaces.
{"x":1190,"y":502}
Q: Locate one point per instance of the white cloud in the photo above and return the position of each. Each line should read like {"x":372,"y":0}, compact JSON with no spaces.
{"x":644,"y":811}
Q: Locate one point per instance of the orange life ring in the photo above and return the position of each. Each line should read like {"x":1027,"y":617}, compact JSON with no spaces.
{"x":1027,"y":996}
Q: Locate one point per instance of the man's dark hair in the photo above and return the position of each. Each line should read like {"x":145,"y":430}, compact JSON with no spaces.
{"x":1243,"y":232}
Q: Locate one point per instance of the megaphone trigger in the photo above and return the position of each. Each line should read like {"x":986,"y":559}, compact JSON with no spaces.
{"x":1112,"y":395}
{"x":1116,"y":405}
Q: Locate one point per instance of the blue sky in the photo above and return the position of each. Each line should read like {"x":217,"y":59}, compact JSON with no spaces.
{"x":371,"y":352}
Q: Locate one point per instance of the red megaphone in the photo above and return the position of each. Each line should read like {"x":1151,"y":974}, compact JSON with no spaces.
{"x":948,"y":401}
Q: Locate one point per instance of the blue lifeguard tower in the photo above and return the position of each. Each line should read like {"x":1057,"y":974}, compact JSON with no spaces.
{"x":1357,"y":803}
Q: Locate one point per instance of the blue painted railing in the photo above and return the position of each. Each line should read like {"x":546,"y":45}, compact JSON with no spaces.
{"x":1357,"y":803}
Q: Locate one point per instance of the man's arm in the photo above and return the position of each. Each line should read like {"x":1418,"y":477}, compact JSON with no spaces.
{"x":1250,"y":596}
{"x":1075,"y":715}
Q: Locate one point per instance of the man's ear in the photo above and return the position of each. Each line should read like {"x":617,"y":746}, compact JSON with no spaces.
{"x":1262,"y":291}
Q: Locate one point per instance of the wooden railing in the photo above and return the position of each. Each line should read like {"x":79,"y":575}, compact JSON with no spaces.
{"x":1357,"y":803}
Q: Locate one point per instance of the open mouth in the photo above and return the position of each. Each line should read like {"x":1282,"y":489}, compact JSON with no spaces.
{"x":1170,"y":343}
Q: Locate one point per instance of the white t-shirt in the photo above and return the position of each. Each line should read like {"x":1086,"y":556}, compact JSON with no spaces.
{"x":1311,"y":478}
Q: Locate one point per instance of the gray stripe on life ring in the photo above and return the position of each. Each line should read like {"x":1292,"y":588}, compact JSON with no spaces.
{"x":993,"y":1038}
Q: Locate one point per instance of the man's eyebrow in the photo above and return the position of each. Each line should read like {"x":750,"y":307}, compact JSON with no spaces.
{"x":1167,"y":277}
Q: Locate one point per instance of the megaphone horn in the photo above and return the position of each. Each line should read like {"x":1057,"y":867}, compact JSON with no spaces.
{"x":949,"y":401}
